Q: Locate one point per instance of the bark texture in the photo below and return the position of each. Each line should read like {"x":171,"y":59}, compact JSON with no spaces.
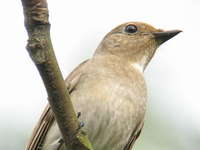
{"x":41,"y":51}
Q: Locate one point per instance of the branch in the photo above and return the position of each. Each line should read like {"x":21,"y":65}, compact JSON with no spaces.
{"x":41,"y":51}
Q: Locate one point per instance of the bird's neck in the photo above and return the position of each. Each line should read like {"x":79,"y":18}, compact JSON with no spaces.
{"x":138,"y":60}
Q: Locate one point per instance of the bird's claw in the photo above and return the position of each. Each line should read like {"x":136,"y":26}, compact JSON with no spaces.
{"x":81,"y":125}
{"x":78,"y":114}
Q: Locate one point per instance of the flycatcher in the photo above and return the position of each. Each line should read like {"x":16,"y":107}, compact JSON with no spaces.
{"x":109,"y":90}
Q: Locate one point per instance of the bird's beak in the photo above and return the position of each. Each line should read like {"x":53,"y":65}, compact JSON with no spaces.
{"x":163,"y":36}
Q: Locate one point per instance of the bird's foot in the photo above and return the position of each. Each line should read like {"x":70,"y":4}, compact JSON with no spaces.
{"x":81,"y":124}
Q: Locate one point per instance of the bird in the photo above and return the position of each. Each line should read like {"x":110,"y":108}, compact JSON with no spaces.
{"x":109,"y":90}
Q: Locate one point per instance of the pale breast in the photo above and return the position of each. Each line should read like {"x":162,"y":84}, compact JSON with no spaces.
{"x":111,"y":103}
{"x":111,"y":109}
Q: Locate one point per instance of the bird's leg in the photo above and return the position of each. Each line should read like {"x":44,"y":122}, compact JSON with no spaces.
{"x":81,"y":124}
{"x":78,"y":114}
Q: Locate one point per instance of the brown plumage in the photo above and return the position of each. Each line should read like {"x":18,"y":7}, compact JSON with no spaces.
{"x":109,"y":90}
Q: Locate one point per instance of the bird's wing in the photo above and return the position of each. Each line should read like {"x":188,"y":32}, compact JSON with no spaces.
{"x":135,"y":134}
{"x":47,"y":117}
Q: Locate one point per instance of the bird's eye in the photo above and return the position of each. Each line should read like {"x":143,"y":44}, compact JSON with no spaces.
{"x":130,"y":29}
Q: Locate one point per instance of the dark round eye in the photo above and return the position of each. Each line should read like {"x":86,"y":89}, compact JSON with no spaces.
{"x":130,"y":29}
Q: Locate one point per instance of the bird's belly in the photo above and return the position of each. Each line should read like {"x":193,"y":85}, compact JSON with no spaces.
{"x":110,"y":113}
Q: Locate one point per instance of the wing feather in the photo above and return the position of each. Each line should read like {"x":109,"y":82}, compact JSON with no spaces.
{"x":47,"y":117}
{"x":135,"y":134}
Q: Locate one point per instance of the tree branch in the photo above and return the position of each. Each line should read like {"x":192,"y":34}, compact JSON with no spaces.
{"x":41,"y":51}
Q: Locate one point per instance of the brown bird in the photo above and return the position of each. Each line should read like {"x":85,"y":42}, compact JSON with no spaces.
{"x":109,"y":90}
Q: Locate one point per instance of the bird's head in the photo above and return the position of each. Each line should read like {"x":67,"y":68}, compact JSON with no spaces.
{"x":134,"y":41}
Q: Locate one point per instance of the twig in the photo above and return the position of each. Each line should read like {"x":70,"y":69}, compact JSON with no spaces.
{"x":41,"y":51}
